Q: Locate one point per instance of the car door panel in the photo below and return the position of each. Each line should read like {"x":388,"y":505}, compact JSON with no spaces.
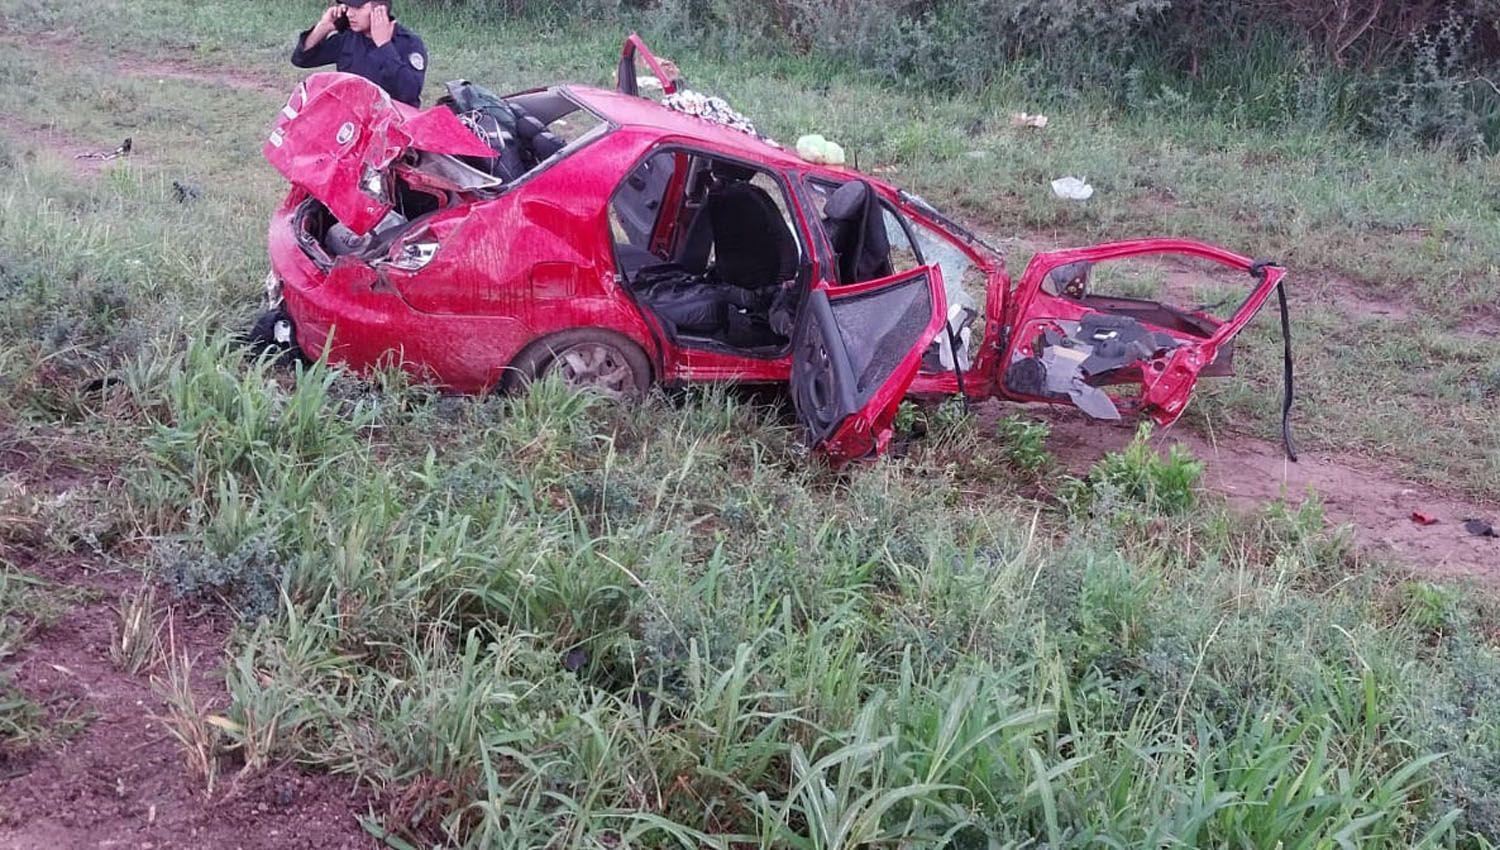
{"x":855,"y":351}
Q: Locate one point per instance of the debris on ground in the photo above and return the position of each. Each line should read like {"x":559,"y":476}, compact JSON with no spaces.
{"x":816,"y":149}
{"x":1423,"y":519}
{"x":1480,"y":528}
{"x":1072,"y":189}
{"x":185,"y":192}
{"x":1024,"y":119}
{"x":122,"y":150}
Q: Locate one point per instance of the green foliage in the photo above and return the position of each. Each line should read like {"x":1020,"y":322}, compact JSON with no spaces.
{"x":1388,"y":70}
{"x":1139,"y":477}
{"x":545,"y":621}
{"x":1025,"y":443}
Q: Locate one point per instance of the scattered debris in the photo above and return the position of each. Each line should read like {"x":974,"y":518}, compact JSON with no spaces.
{"x":122,"y":150}
{"x":1072,"y":189}
{"x":1423,"y":519}
{"x":711,"y":108}
{"x":1480,"y":528}
{"x":185,"y":192}
{"x":1023,"y":119}
{"x":816,"y":149}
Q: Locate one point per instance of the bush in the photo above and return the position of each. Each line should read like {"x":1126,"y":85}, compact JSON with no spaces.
{"x":1410,"y":71}
{"x":1139,"y":477}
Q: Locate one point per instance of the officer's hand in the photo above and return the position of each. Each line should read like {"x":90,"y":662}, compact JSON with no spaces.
{"x":382,"y":28}
{"x":329,"y":22}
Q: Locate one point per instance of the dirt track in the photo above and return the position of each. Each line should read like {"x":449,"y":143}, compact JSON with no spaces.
{"x":1375,"y":504}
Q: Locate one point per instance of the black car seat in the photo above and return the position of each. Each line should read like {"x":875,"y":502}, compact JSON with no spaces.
{"x":852,"y":219}
{"x":753,"y":249}
{"x":541,"y":142}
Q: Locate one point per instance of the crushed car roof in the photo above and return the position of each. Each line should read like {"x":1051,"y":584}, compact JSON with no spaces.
{"x":627,"y":111}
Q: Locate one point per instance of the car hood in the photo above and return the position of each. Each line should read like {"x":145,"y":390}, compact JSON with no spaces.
{"x":339,"y":136}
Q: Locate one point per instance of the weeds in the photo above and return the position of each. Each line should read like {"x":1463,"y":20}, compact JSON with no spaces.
{"x":136,"y":641}
{"x":1138,"y":477}
{"x":198,"y":734}
{"x":543,"y":621}
{"x":1025,"y":443}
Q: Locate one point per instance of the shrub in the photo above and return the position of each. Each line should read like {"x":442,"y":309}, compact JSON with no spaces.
{"x":1025,"y":443}
{"x":1139,"y":477}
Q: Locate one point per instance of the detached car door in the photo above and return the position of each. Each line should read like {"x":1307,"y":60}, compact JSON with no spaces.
{"x":855,"y":351}
{"x":1070,"y":341}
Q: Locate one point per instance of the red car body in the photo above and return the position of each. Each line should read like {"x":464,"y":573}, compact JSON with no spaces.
{"x":494,"y":272}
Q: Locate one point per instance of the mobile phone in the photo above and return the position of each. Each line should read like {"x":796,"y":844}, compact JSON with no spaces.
{"x":341,"y":20}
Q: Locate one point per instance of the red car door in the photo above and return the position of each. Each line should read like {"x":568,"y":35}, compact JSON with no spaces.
{"x":1068,"y":343}
{"x":855,"y":351}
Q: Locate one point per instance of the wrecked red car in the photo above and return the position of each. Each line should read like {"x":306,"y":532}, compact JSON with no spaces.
{"x":618,"y":241}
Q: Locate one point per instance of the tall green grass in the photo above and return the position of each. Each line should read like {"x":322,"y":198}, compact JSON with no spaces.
{"x":542,"y":619}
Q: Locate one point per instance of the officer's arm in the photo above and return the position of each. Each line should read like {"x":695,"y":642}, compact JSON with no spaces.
{"x":403,"y":68}
{"x":325,"y":52}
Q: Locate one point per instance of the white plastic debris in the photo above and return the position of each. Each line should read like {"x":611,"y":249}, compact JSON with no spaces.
{"x":650,"y":84}
{"x":816,"y":149}
{"x":1072,"y":189}
{"x":1026,"y":119}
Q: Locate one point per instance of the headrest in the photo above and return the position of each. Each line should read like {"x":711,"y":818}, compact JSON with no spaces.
{"x":529,"y":126}
{"x":847,"y":203}
{"x":732,"y":171}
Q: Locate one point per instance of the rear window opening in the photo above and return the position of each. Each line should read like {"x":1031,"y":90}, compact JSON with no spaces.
{"x":709,"y":247}
{"x":526,"y":130}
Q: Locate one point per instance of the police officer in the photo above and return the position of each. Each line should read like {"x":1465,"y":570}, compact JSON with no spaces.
{"x":362,"y":37}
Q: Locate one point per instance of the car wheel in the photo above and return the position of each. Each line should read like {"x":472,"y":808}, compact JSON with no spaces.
{"x":589,"y":359}
{"x":272,"y":334}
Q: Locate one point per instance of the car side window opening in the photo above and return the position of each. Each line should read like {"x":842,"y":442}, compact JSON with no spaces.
{"x":1173,"y":293}
{"x":708,"y":245}
{"x":873,"y":240}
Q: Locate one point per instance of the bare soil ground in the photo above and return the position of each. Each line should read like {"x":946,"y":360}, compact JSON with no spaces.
{"x":1376,"y":505}
{"x":230,"y":78}
{"x":122,"y":780}
{"x":28,"y":139}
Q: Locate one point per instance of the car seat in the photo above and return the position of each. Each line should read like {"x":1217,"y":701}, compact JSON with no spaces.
{"x":541,"y":142}
{"x":852,"y":220}
{"x":753,"y":249}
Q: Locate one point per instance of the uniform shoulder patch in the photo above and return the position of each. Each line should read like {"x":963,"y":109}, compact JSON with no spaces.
{"x":418,"y":61}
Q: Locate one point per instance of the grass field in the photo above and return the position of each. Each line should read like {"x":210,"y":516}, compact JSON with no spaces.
{"x":540,"y":621}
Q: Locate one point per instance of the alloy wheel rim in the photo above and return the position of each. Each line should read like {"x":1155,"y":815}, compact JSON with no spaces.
{"x":597,"y":367}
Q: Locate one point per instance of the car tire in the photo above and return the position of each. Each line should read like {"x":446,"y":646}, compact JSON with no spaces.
{"x":272,"y":335}
{"x":585,"y":358}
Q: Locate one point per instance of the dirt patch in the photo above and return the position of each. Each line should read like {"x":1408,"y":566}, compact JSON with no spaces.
{"x":115,"y":776}
{"x":224,"y":77}
{"x":29,"y":139}
{"x":122,"y":781}
{"x":64,"y":47}
{"x":1360,"y":493}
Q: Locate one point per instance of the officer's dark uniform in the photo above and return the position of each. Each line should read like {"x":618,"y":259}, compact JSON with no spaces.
{"x":399,"y":66}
